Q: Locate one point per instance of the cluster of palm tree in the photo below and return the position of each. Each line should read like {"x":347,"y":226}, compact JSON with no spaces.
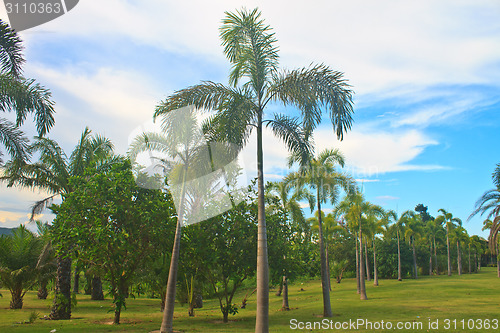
{"x":489,"y":204}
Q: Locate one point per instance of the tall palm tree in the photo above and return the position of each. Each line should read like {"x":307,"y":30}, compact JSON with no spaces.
{"x":399,"y":226}
{"x":52,"y":173}
{"x":254,"y":83}
{"x":433,"y":229}
{"x":355,"y":208}
{"x":321,"y":176}
{"x":21,"y":95}
{"x":449,"y":220}
{"x":413,"y":226}
{"x":460,"y":236}
{"x":377,"y":219}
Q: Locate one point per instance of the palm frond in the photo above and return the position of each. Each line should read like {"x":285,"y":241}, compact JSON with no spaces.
{"x":11,"y":57}
{"x":249,"y":45}
{"x":27,"y":97}
{"x":13,"y":140}
{"x":40,"y":205}
{"x":312,"y":89}
{"x":289,"y":130}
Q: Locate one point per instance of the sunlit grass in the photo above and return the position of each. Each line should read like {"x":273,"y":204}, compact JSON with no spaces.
{"x":475,"y":296}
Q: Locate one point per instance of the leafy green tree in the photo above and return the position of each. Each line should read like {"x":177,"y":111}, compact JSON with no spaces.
{"x":19,"y":263}
{"x":447,"y":218}
{"x":398,"y":226}
{"x":228,"y":243}
{"x":114,"y":225}
{"x":21,"y":95}
{"x":52,"y":173}
{"x":251,"y":48}
{"x":320,"y":175}
{"x":433,"y":230}
{"x":460,"y":236}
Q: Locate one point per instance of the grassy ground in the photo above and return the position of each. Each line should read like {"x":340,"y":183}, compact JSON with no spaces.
{"x":411,"y":302}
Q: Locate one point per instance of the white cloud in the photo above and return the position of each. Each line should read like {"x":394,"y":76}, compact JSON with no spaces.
{"x":370,"y":152}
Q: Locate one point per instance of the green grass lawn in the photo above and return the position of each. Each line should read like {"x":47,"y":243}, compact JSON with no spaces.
{"x":459,"y":298}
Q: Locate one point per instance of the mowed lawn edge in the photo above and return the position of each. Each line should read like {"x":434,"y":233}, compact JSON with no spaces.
{"x":466,"y":303}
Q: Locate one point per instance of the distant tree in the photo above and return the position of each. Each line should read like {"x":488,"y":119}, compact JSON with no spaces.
{"x":424,"y":215}
{"x":413,"y":230}
{"x":448,"y":219}
{"x":114,"y":225}
{"x":21,"y":95}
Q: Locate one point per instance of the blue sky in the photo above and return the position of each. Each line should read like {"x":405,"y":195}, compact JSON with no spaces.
{"x":425,"y":74}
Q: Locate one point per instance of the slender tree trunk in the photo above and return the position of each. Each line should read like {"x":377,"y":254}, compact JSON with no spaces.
{"x":470,"y":265}
{"x":61,"y":307}
{"x":168,"y":313}
{"x":367,"y":265}
{"x":399,"y":258}
{"x":436,"y":257}
{"x":262,"y":315}
{"x":96,"y":293}
{"x":430,"y":260}
{"x":280,"y":289}
{"x":76,"y":284}
{"x":358,"y":288}
{"x":329,"y":280}
{"x":16,"y":301}
{"x":448,"y":248}
{"x":459,"y":259}
{"x":375,"y":273}
{"x":476,"y":267}
{"x":327,"y":308}
{"x":414,"y":258}
{"x":362,"y":287}
{"x":284,"y":305}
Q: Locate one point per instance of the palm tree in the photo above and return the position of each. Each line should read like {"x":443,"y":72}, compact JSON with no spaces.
{"x":320,"y":175}
{"x":377,"y":220}
{"x":412,"y":232}
{"x":489,"y":203}
{"x":251,"y":49}
{"x":460,"y":236}
{"x":399,"y":226}
{"x":355,"y":209}
{"x":433,"y":229}
{"x":448,"y":218}
{"x":21,"y":95}
{"x":19,"y":256}
{"x":52,"y":173}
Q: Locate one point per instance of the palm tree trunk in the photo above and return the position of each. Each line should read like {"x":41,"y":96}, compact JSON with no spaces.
{"x":362,"y":287}
{"x":16,"y":301}
{"x":61,"y":307}
{"x":459,"y":259}
{"x":96,"y":293}
{"x":42,"y":290}
{"x":414,"y":258}
{"x":448,"y":248}
{"x":329,"y":280}
{"x":368,"y":277}
{"x":284,"y":305}
{"x":430,"y":260}
{"x":262,"y":315}
{"x":358,"y":288}
{"x":325,"y":286}
{"x":375,"y":273}
{"x":476,"y":267}
{"x":168,"y":313}
{"x":399,"y":258}
{"x":470,"y":266}
{"x":76,"y":284}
